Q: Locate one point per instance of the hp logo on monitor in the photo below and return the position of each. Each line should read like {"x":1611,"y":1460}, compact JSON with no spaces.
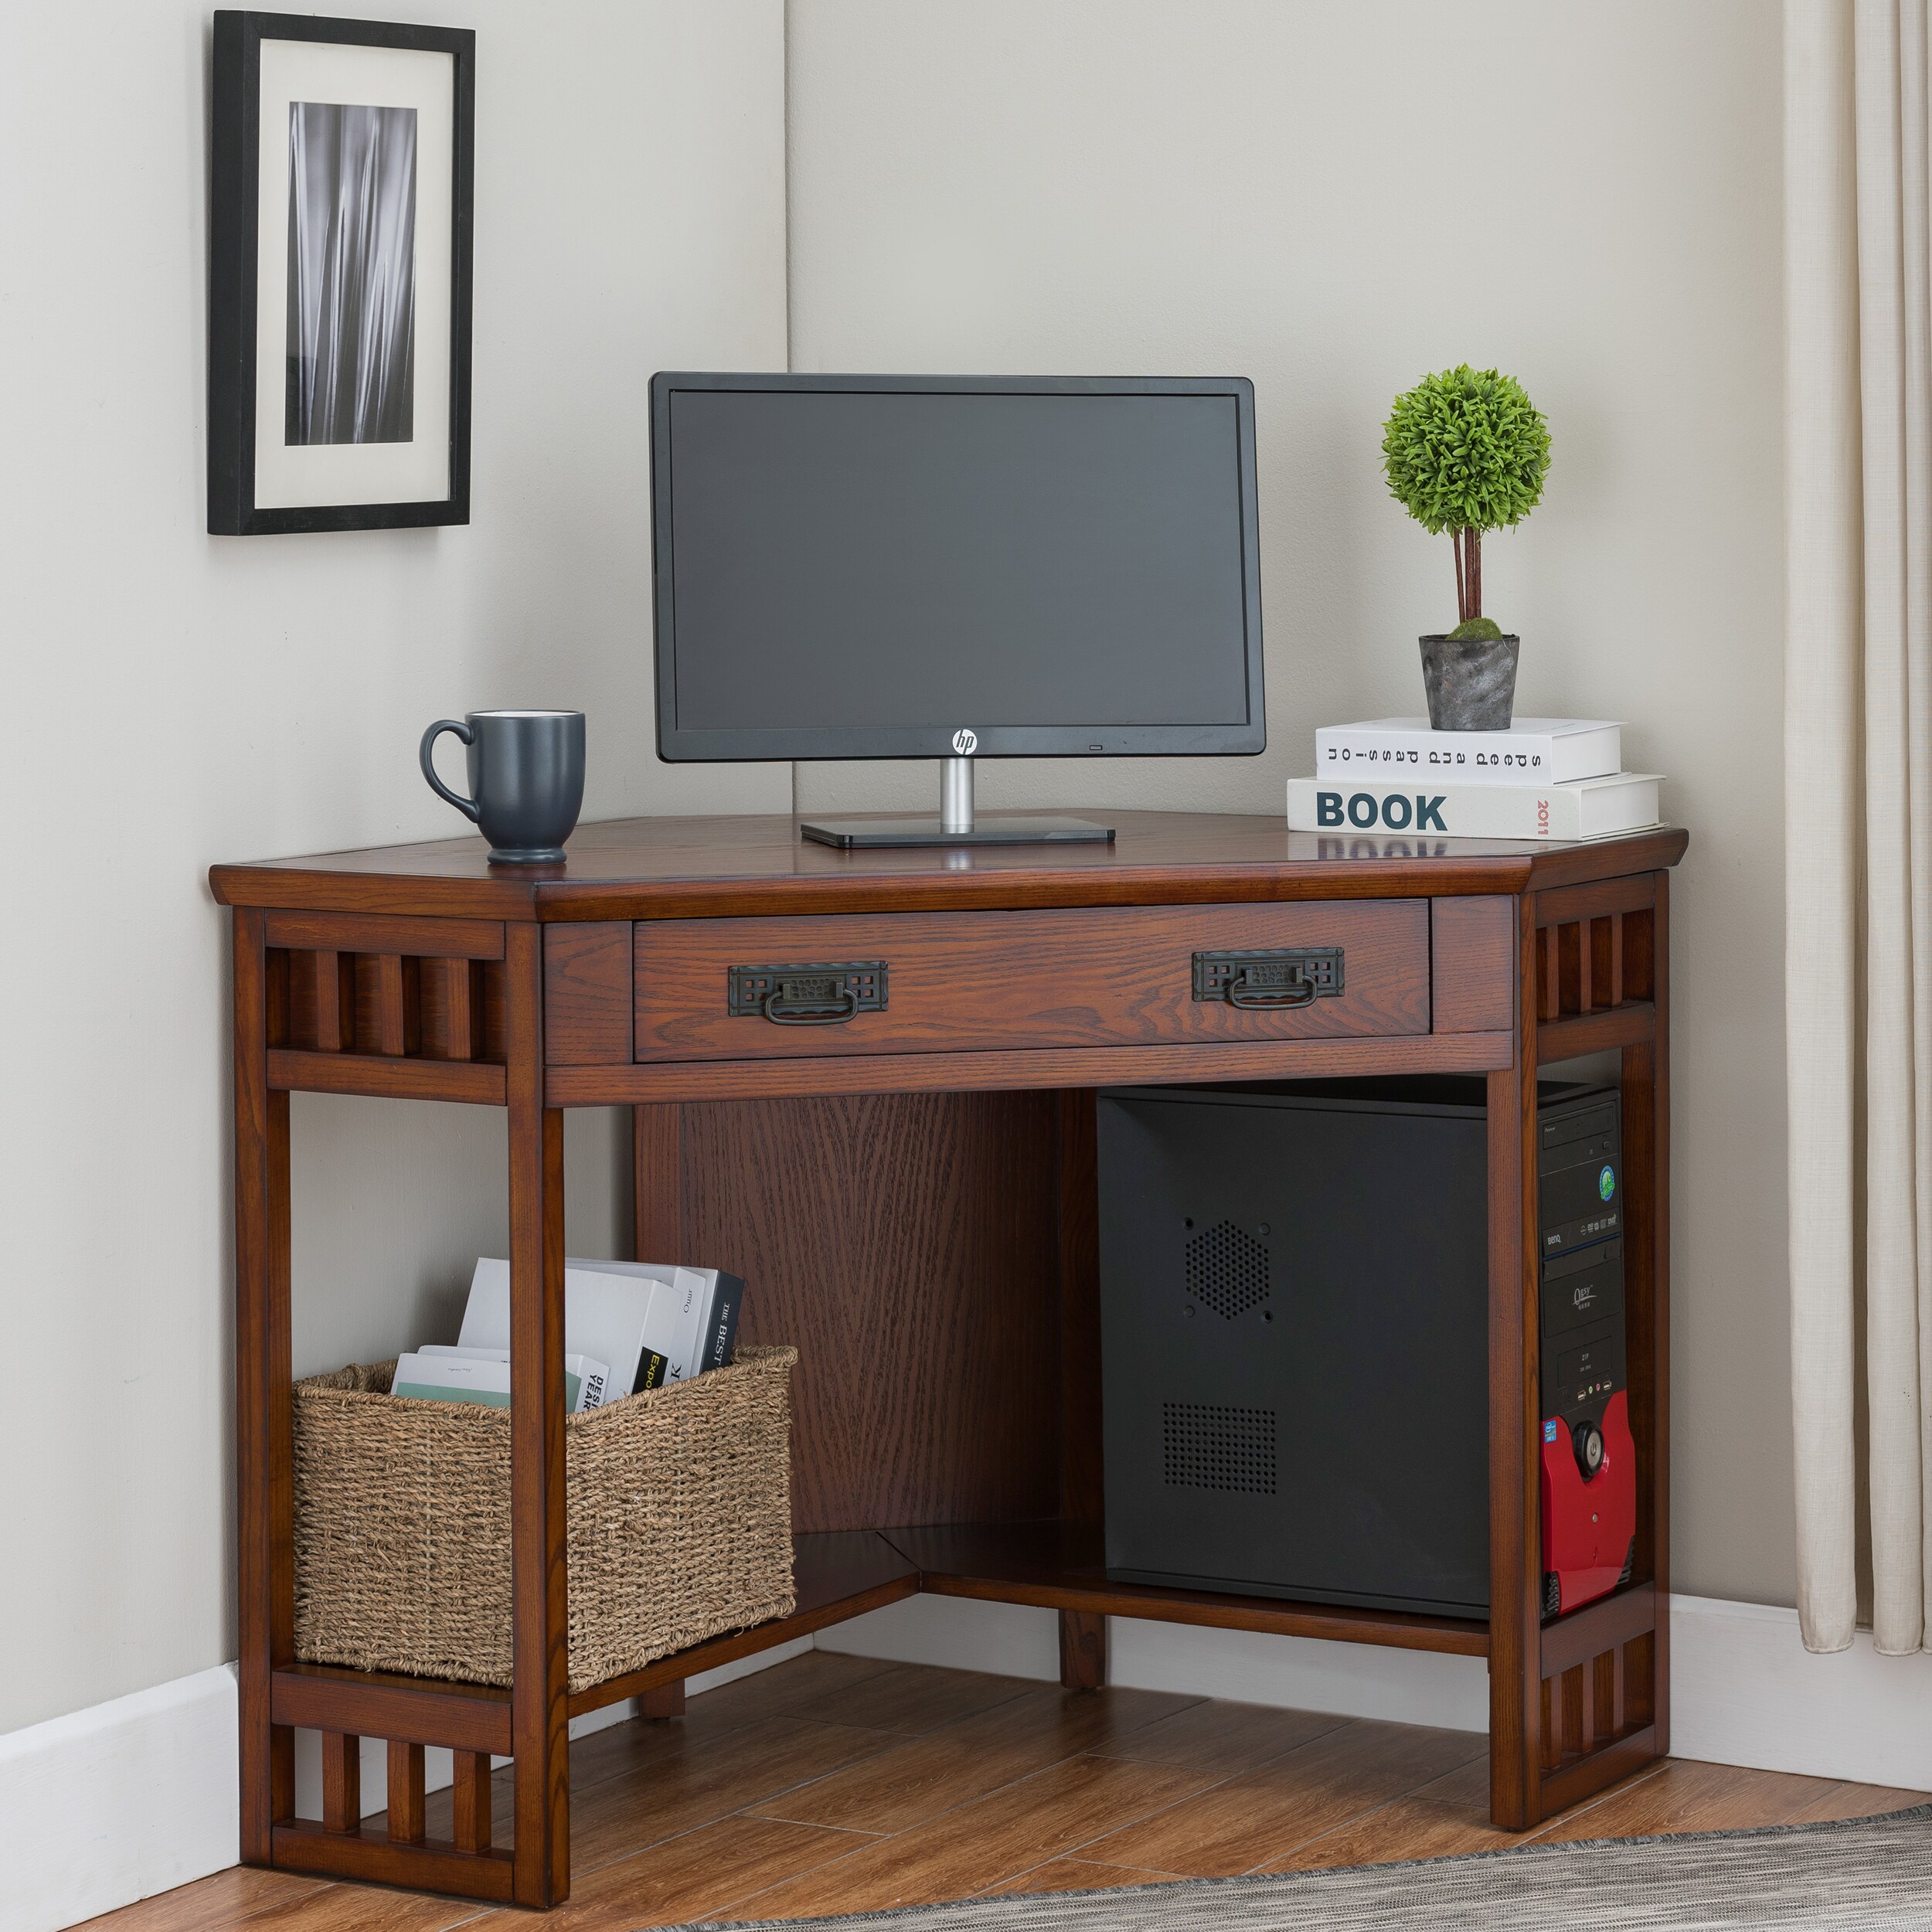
{"x":965,"y":743}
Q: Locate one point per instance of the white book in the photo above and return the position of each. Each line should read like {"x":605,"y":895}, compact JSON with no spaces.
{"x":1592,"y":808}
{"x":594,"y":1375}
{"x":604,"y":1316}
{"x":1550,"y":751}
{"x":706,"y":1310}
{"x":674,"y":1318}
{"x":482,"y":1376}
{"x":655,"y":1323}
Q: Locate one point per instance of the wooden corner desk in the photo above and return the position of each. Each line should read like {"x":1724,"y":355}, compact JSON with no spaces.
{"x":909,"y":1187}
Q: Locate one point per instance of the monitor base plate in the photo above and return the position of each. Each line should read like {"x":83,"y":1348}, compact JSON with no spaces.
{"x":860,"y":834}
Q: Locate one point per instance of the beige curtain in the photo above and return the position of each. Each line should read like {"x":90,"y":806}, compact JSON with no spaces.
{"x":1858,"y":765}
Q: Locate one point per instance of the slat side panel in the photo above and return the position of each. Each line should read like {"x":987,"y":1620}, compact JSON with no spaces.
{"x":372,"y":933}
{"x":448,"y":1025}
{"x":406,"y":1798}
{"x":342,"y":1782}
{"x":1606,"y":1705}
{"x":1603,"y":971}
{"x":276,"y":997}
{"x":1563,"y":905}
{"x":474,"y":1084}
{"x":334,"y":1001}
{"x":1639,"y":943}
{"x":471,"y":1800}
{"x":323,"y":1697}
{"x":304,"y":1845}
{"x":492,"y":1018}
{"x":1570,"y":991}
{"x":1578,"y":1778}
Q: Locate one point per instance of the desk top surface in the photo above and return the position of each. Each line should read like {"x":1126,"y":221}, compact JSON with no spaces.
{"x":668,"y":868}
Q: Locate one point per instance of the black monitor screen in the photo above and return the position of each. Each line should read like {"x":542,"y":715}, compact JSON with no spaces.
{"x":861,"y":571}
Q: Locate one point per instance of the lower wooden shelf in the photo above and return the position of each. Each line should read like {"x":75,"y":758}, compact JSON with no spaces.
{"x":844,"y":1574}
{"x":1061,"y":1566}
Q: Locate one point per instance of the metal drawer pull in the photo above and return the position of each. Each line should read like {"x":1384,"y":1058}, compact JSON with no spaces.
{"x":1248,"y":988}
{"x":1275,"y":981}
{"x":823,"y":996}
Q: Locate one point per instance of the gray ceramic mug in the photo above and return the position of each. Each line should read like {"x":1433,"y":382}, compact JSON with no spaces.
{"x":526,"y":780}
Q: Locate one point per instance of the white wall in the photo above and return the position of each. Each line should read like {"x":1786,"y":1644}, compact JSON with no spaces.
{"x":174,"y":698}
{"x":1333,"y":199}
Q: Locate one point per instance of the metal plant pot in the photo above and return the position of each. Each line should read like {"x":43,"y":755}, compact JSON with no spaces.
{"x":1471,"y":681}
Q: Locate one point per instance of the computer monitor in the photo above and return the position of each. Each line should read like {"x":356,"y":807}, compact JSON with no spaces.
{"x":916,"y":566}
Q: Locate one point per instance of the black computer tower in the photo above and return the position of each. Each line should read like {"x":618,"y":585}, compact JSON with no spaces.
{"x":1294,"y":1337}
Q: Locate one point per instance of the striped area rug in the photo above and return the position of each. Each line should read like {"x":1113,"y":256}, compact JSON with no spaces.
{"x":1858,"y":1875}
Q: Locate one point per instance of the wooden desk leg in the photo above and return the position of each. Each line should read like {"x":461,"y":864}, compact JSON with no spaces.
{"x":657,"y":1174}
{"x":538,"y":1710}
{"x":1516,"y":1714}
{"x":1082,"y":1649}
{"x":264,"y":1459}
{"x":662,"y":1700}
{"x":1646,"y":1075}
{"x":1082,"y":1634}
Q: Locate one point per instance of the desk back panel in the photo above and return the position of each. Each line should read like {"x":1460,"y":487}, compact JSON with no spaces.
{"x":908,"y":1244}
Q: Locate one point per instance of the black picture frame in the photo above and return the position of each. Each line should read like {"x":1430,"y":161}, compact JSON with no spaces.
{"x":234,"y":273}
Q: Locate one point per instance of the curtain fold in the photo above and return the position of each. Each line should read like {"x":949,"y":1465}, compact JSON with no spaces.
{"x":1857,"y":792}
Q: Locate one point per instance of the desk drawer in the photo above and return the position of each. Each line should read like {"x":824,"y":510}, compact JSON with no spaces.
{"x":978,"y":981}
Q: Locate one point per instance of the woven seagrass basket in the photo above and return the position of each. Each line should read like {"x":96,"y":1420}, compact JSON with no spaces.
{"x":679,"y":1508}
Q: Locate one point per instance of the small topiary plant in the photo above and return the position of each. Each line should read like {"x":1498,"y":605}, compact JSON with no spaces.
{"x":1467,"y":451}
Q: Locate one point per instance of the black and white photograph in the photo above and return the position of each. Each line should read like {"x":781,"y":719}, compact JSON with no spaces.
{"x":352,"y":273}
{"x":339,"y":309}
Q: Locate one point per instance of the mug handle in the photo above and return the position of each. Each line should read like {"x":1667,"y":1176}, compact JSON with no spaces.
{"x":465,"y":806}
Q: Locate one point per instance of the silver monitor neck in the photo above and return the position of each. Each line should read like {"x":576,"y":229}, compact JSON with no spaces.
{"x":956,"y":795}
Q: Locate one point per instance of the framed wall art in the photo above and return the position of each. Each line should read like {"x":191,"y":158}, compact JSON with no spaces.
{"x":339,"y":333}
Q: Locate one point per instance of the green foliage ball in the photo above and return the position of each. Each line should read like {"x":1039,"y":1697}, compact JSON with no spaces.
{"x":1466,"y":449}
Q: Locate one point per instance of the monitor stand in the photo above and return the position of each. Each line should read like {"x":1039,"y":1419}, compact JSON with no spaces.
{"x":955,"y":826}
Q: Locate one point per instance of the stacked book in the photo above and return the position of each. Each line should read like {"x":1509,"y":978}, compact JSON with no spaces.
{"x":1542,"y":778}
{"x":628,"y":1326}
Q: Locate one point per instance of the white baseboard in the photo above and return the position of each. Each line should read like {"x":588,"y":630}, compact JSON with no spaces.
{"x":106,"y":1805}
{"x":1360,"y":1680}
{"x":1011,"y":1640}
{"x":109,"y":1805}
{"x":1744,"y":1690}
{"x":112,"y":1804}
{"x":1357,"y":1680}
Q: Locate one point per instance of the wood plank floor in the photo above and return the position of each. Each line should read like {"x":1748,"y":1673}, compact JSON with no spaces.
{"x":835,"y":1783}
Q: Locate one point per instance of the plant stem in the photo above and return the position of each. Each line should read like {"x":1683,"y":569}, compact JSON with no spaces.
{"x":1475,"y":571}
{"x":1462,"y":593}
